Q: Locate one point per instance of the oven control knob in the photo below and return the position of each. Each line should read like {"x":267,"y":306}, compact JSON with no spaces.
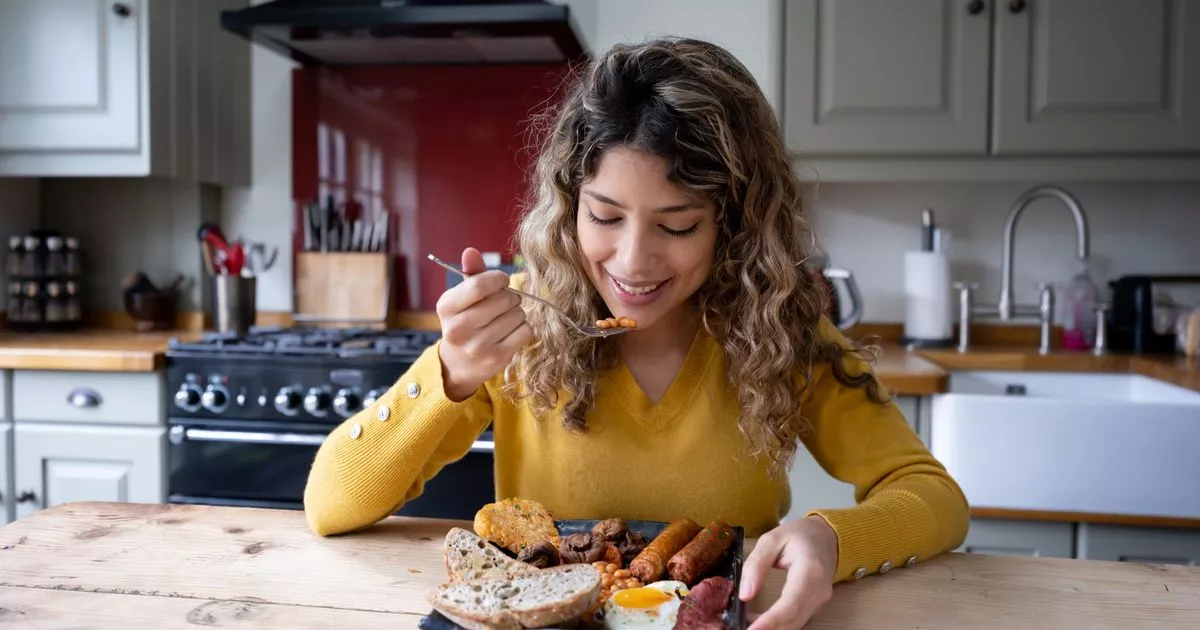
{"x":188,"y":398}
{"x":287,"y":401}
{"x":215,"y":398}
{"x":373,"y":395}
{"x":316,"y":402}
{"x":346,"y":402}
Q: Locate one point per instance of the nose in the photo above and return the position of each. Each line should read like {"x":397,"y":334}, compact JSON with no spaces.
{"x":637,"y":251}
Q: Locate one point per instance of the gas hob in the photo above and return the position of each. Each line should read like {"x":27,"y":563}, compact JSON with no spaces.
{"x":288,"y":373}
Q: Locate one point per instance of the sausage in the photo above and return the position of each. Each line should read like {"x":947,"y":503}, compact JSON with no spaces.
{"x":650,"y":564}
{"x":701,"y":554}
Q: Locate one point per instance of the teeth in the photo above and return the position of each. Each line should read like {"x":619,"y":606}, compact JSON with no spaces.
{"x":636,"y":290}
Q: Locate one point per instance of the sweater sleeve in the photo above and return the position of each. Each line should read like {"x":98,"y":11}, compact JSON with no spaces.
{"x":908,"y":508}
{"x":381,"y":457}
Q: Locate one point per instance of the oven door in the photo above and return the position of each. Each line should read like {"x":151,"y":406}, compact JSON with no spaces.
{"x":266,"y":464}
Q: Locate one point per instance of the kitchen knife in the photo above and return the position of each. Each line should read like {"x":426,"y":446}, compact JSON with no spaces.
{"x":927,"y":230}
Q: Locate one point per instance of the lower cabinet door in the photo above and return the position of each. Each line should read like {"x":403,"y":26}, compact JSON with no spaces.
{"x":1152,"y":545}
{"x":55,"y":464}
{"x":1020,"y":538}
{"x":6,"y":491}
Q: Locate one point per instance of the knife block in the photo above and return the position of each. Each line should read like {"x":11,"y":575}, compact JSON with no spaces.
{"x":342,"y":289}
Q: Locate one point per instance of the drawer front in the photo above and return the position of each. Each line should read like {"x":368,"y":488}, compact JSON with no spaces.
{"x":91,"y":397}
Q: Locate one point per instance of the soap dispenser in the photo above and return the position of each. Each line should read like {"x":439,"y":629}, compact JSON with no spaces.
{"x":1080,"y":298}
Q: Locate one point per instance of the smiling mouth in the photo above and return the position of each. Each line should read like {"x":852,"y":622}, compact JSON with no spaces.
{"x":639,"y":291}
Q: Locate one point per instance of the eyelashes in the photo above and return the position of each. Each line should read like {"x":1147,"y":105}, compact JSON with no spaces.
{"x":675,"y":233}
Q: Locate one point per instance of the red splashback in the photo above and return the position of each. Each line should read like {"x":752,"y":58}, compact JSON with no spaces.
{"x":445,"y":151}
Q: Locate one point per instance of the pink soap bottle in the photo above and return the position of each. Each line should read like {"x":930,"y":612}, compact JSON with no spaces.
{"x":1079,"y":301}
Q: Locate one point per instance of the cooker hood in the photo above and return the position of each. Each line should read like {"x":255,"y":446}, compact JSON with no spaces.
{"x":354,"y":32}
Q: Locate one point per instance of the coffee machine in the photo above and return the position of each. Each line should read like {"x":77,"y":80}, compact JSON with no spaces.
{"x":1135,"y":322}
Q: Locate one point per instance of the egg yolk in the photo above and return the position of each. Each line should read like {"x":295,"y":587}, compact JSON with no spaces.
{"x":640,"y":597}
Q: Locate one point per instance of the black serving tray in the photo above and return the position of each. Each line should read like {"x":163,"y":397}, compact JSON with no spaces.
{"x":730,"y":567}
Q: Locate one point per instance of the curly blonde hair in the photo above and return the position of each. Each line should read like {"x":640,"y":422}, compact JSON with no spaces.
{"x":695,"y":105}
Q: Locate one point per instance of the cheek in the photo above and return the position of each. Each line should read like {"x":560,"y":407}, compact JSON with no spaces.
{"x":592,"y":244}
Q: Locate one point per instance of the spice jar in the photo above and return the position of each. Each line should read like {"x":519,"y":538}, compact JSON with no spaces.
{"x":15,"y":260}
{"x":31,"y":260}
{"x":55,"y":264}
{"x":56,"y":306}
{"x":71,"y":257}
{"x":15,"y":300}
{"x":74,"y":312}
{"x":31,"y":305}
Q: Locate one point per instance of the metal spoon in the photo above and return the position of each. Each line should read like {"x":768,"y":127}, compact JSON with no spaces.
{"x":588,"y":330}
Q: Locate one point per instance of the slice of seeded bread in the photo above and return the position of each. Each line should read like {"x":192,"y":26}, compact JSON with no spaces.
{"x":469,"y":557}
{"x":556,"y":595}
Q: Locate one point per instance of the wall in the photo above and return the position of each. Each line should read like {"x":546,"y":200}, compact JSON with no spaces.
{"x":19,"y":213}
{"x":129,"y":225}
{"x":1134,"y":228}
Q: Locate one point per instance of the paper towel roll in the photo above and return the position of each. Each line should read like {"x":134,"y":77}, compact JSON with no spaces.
{"x":928,"y":303}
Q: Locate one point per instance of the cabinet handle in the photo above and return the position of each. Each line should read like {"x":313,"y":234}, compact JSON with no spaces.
{"x":975,"y":7}
{"x":122,"y":10}
{"x":25,"y":496}
{"x":1016,"y":6}
{"x":83,"y":398}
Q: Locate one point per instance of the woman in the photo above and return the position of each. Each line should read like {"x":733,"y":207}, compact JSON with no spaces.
{"x":663,"y":193}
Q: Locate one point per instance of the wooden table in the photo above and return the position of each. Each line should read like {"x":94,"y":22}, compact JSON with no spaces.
{"x":111,"y":565}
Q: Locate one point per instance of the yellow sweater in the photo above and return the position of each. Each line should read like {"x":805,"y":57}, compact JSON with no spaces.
{"x":677,"y":458}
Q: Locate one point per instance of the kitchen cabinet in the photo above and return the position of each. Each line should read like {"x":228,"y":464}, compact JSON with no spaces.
{"x":85,"y":436}
{"x":1020,"y":538}
{"x":123,"y":88}
{"x":885,"y":77}
{"x":1096,"y":76}
{"x":60,"y":463}
{"x":812,"y":487}
{"x":1139,"y":544}
{"x":925,"y":90}
{"x":6,"y":491}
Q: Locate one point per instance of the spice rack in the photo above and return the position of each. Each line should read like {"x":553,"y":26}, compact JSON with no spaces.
{"x":43,"y":272}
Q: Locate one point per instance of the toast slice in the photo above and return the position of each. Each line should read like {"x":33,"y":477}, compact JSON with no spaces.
{"x":561,"y":594}
{"x":516,"y":524}
{"x":469,"y":557}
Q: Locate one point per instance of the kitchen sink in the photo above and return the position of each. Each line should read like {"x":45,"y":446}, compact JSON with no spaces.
{"x":1071,"y":442}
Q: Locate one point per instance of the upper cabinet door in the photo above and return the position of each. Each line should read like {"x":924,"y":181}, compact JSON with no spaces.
{"x":1097,"y":76}
{"x":69,"y":75}
{"x":875,"y":77}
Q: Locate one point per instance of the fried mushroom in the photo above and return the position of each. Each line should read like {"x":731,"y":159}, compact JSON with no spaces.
{"x":542,"y":555}
{"x":581,"y":549}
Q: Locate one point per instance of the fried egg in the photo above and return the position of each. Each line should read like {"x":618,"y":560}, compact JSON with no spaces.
{"x":651,"y":607}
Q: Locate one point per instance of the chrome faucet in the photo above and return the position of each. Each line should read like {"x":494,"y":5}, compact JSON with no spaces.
{"x":1005,"y":308}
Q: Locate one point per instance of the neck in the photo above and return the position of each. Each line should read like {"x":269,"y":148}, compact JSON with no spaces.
{"x":670,"y":335}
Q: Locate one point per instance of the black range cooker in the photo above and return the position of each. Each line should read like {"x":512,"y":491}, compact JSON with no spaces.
{"x":247,"y":413}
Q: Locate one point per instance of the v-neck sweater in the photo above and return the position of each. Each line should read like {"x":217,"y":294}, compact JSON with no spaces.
{"x":680,"y":457}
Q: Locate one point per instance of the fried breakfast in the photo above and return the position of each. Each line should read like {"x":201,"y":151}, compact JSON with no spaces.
{"x":518,"y":571}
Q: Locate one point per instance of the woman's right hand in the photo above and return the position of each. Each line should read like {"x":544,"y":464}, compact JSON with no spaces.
{"x":483,"y":327}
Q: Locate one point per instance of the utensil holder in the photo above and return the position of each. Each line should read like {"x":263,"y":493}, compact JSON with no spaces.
{"x":233,"y":307}
{"x":341,"y":289}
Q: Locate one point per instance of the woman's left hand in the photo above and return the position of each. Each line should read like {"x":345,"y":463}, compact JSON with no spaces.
{"x":807,"y":549}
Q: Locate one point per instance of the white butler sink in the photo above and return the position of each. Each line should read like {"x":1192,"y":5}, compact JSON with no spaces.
{"x":1101,"y":443}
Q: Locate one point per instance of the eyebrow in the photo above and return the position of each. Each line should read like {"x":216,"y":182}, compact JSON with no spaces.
{"x":612,"y":202}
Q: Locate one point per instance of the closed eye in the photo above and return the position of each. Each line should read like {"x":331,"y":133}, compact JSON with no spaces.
{"x":598,"y":221}
{"x":682,"y":233}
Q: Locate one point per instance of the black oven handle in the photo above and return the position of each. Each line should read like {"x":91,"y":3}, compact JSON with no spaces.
{"x":178,"y":434}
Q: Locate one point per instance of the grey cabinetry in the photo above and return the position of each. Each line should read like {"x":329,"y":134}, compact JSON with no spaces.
{"x":6,"y":491}
{"x":977,"y":78}
{"x":1139,"y":544}
{"x":1097,"y":76}
{"x":1020,"y":538}
{"x":885,"y":77}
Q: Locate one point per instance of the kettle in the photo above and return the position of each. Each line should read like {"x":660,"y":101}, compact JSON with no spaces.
{"x":825,"y":276}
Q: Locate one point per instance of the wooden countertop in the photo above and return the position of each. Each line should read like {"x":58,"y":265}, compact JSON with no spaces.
{"x":114,"y":565}
{"x":90,"y":350}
